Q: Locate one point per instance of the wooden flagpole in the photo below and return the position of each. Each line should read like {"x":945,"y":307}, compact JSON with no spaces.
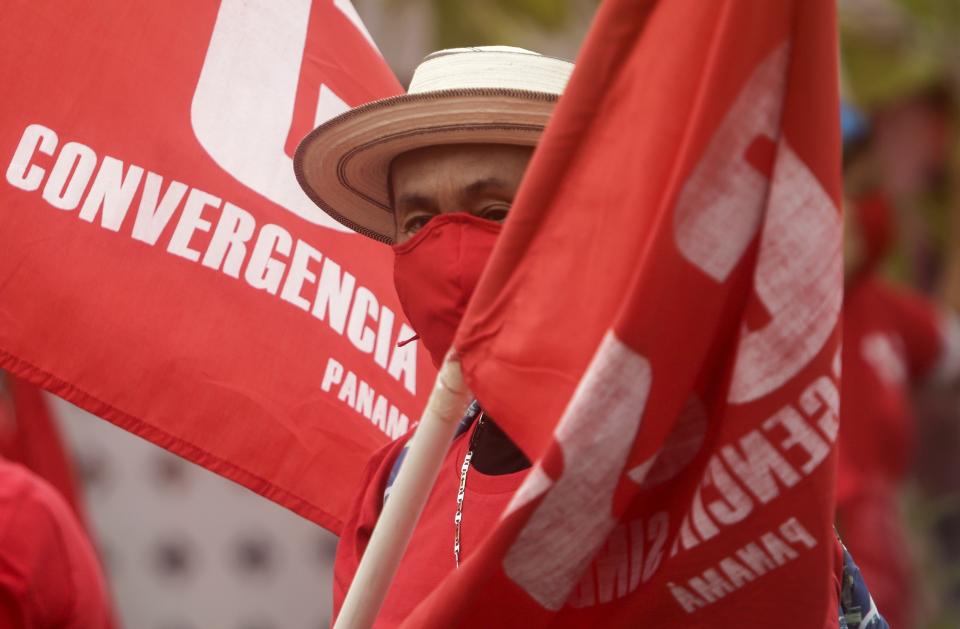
{"x":409,"y":493}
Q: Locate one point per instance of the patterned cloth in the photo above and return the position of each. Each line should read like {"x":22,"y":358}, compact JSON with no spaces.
{"x":857,"y":610}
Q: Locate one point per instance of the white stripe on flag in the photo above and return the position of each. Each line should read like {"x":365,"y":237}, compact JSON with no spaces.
{"x":596,"y":434}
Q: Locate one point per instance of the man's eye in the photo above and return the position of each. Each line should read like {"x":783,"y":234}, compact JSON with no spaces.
{"x":496,"y":213}
{"x":416,"y":223}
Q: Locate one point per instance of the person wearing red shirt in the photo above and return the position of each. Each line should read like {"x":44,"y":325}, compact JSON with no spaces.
{"x":430,"y":555}
{"x":49,"y":574}
{"x":433,"y":173}
{"x":893,"y":339}
{"x":447,"y":177}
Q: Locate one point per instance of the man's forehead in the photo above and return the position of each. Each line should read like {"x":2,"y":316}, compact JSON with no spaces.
{"x":419,"y":179}
{"x":474,"y":165}
{"x":468,"y":184}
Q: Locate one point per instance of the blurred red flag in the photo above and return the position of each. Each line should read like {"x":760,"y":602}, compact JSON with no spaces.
{"x":658,"y":329}
{"x":159,"y":264}
{"x":31,"y":437}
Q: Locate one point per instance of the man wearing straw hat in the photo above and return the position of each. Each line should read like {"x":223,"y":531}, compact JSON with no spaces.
{"x":432,"y":173}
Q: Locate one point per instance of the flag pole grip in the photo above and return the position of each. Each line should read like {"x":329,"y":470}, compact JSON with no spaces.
{"x":409,"y":493}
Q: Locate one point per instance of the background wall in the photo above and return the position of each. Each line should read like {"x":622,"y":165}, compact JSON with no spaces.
{"x":186,"y":549}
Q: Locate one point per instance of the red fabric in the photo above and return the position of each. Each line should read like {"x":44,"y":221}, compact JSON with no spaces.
{"x":160,"y":265}
{"x":659,"y":330}
{"x":429,"y":557}
{"x":876,"y":536}
{"x":49,"y":575}
{"x":874,"y":218}
{"x":436,"y":272}
{"x":891,"y":340}
{"x":35,"y":443}
{"x":8,"y":421}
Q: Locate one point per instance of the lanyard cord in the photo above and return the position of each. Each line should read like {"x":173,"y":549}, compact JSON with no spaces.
{"x":458,"y":518}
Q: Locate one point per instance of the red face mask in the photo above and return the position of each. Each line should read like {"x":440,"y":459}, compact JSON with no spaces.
{"x":436,"y":272}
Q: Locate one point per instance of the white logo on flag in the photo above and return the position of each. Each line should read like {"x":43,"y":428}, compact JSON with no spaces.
{"x":720,"y":207}
{"x":244,"y":102}
{"x":798,"y":280}
{"x":596,"y":435}
{"x":718,"y":214}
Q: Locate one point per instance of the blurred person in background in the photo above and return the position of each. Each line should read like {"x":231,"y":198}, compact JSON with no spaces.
{"x":895,"y":339}
{"x":901,"y":62}
{"x":49,"y":574}
{"x":29,"y":435}
{"x":50,"y":577}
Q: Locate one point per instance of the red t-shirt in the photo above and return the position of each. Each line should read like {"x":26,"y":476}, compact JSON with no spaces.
{"x":49,"y":574}
{"x":429,"y":556}
{"x":891,"y":339}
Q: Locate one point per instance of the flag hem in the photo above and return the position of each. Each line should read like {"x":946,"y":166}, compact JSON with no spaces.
{"x":165,"y":440}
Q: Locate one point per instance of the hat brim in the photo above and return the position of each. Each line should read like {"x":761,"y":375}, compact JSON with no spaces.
{"x":343,"y":165}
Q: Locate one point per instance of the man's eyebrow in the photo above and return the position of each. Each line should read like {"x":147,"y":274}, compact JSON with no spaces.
{"x":485,"y":185}
{"x":415,"y":201}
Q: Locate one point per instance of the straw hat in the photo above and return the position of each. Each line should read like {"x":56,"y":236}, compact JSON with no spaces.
{"x":484,"y":95}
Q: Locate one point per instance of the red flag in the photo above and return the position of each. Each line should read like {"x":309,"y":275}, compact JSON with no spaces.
{"x":658,"y":329}
{"x":159,"y":264}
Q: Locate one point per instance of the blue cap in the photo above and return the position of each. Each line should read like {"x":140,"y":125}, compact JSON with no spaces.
{"x":853,"y":123}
